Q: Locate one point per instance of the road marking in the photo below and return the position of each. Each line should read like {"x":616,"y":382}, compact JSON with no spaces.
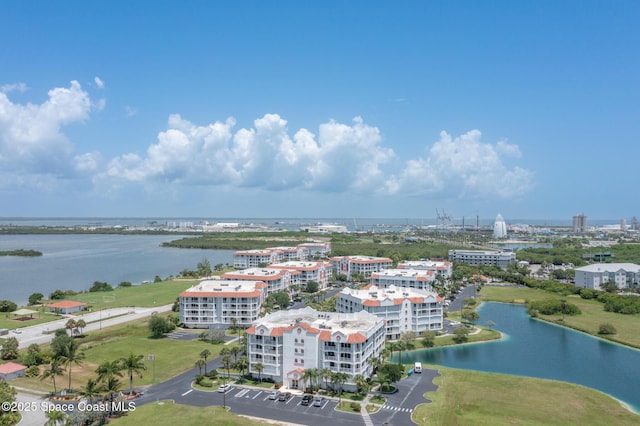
{"x":241,"y":393}
{"x":187,"y":392}
{"x":291,"y":398}
{"x":257,"y":395}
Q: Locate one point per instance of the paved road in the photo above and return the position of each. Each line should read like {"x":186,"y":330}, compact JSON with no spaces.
{"x":43,"y":333}
{"x":399,"y":406}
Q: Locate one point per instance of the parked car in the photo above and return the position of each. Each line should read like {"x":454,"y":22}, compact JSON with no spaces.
{"x":284,"y":396}
{"x":224,"y":388}
{"x":274,"y":395}
{"x":306,"y":399}
{"x":319,"y":401}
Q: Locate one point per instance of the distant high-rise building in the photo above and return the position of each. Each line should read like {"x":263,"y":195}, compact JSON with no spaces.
{"x":580,"y":223}
{"x":623,"y":225}
{"x":634,"y":223}
{"x":499,"y":227}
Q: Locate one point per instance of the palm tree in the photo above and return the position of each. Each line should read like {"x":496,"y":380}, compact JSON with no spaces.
{"x":241,"y":364}
{"x":72,"y":355}
{"x":361,"y":383}
{"x":400,"y":346}
{"x":384,"y":354}
{"x":91,"y":390}
{"x":111,"y":386}
{"x":55,"y":417}
{"x":235,"y":350}
{"x":259,"y":367}
{"x":226,"y":361}
{"x":325,"y":374}
{"x":54,"y":369}
{"x":70,"y":325}
{"x":312,"y":374}
{"x":206,"y":353}
{"x":81,"y":324}
{"x":133,"y":364}
{"x":108,"y":370}
{"x":201,"y":363}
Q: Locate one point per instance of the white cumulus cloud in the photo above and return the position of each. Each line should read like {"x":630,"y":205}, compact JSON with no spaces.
{"x":341,"y":157}
{"x":14,"y":87}
{"x":31,"y":141}
{"x":464,"y":166}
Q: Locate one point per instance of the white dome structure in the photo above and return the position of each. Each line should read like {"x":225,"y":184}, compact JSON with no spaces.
{"x":499,"y":228}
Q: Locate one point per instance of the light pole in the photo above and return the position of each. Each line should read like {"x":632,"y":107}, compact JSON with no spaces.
{"x":152,"y":358}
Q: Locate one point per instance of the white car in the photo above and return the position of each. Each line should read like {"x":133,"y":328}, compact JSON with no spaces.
{"x":17,"y":331}
{"x":224,"y":388}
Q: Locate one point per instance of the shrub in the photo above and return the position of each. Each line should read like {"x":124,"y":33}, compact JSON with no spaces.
{"x":277,"y":385}
{"x":607,"y":329}
{"x":212,"y":374}
{"x":32,"y":371}
{"x":355,"y":406}
{"x":207,"y":383}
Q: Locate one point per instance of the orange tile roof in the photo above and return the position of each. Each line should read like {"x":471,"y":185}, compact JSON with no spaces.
{"x":356,"y":338}
{"x":370,"y":302}
{"x":11,"y":367}
{"x":63,"y":304}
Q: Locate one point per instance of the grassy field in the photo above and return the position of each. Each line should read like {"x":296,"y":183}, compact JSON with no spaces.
{"x":152,"y":294}
{"x":172,"y":356}
{"x":474,"y":398}
{"x":593,"y":313}
{"x":7,"y":319}
{"x":166,"y":413}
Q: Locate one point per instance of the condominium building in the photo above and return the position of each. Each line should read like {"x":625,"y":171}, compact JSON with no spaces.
{"x":286,"y":343}
{"x":304,"y":271}
{"x":221,"y":303}
{"x":276,"y":279}
{"x":402,"y":309}
{"x":290,"y":253}
{"x":256,"y":258}
{"x":624,"y":275}
{"x":321,"y":249}
{"x":501,"y":259}
{"x":440,"y":267}
{"x":406,"y":278}
{"x":365,"y":265}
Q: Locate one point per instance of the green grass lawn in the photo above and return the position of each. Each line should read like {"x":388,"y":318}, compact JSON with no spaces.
{"x":7,"y":319}
{"x":167,"y":413}
{"x":473,"y":398}
{"x":593,"y":313}
{"x":152,"y":294}
{"x":172,"y":356}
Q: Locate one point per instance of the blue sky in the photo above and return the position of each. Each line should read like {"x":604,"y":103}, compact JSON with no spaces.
{"x":319,"y":109}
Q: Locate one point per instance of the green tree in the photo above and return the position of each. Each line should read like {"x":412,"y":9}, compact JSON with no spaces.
{"x":259,"y":367}
{"x":204,"y":268}
{"x":470,"y":315}
{"x":55,"y":418}
{"x":35,"y":298}
{"x":206,"y":353}
{"x":72,"y":355}
{"x":199,"y":364}
{"x":8,"y":395}
{"x":607,"y":329}
{"x":59,"y":343}
{"x":241,"y":365}
{"x":9,"y":348}
{"x":460,"y":334}
{"x":81,"y":324}
{"x":311,"y":287}
{"x":325,"y":374}
{"x":159,"y":326}
{"x":70,"y":325}
{"x":56,"y":295}
{"x":226,"y":362}
{"x":428,"y":339}
{"x":91,"y":390}
{"x":7,"y":306}
{"x":108,"y":370}
{"x":133,"y":364}
{"x":54,"y":369}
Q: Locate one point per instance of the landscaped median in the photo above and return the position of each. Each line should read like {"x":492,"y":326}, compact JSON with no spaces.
{"x":469,"y":398}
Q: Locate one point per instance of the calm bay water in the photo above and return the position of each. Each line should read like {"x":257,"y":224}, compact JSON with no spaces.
{"x":538,"y":349}
{"x":74,"y":262}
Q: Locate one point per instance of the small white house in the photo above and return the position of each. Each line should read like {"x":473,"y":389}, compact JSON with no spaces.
{"x":12,"y":370}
